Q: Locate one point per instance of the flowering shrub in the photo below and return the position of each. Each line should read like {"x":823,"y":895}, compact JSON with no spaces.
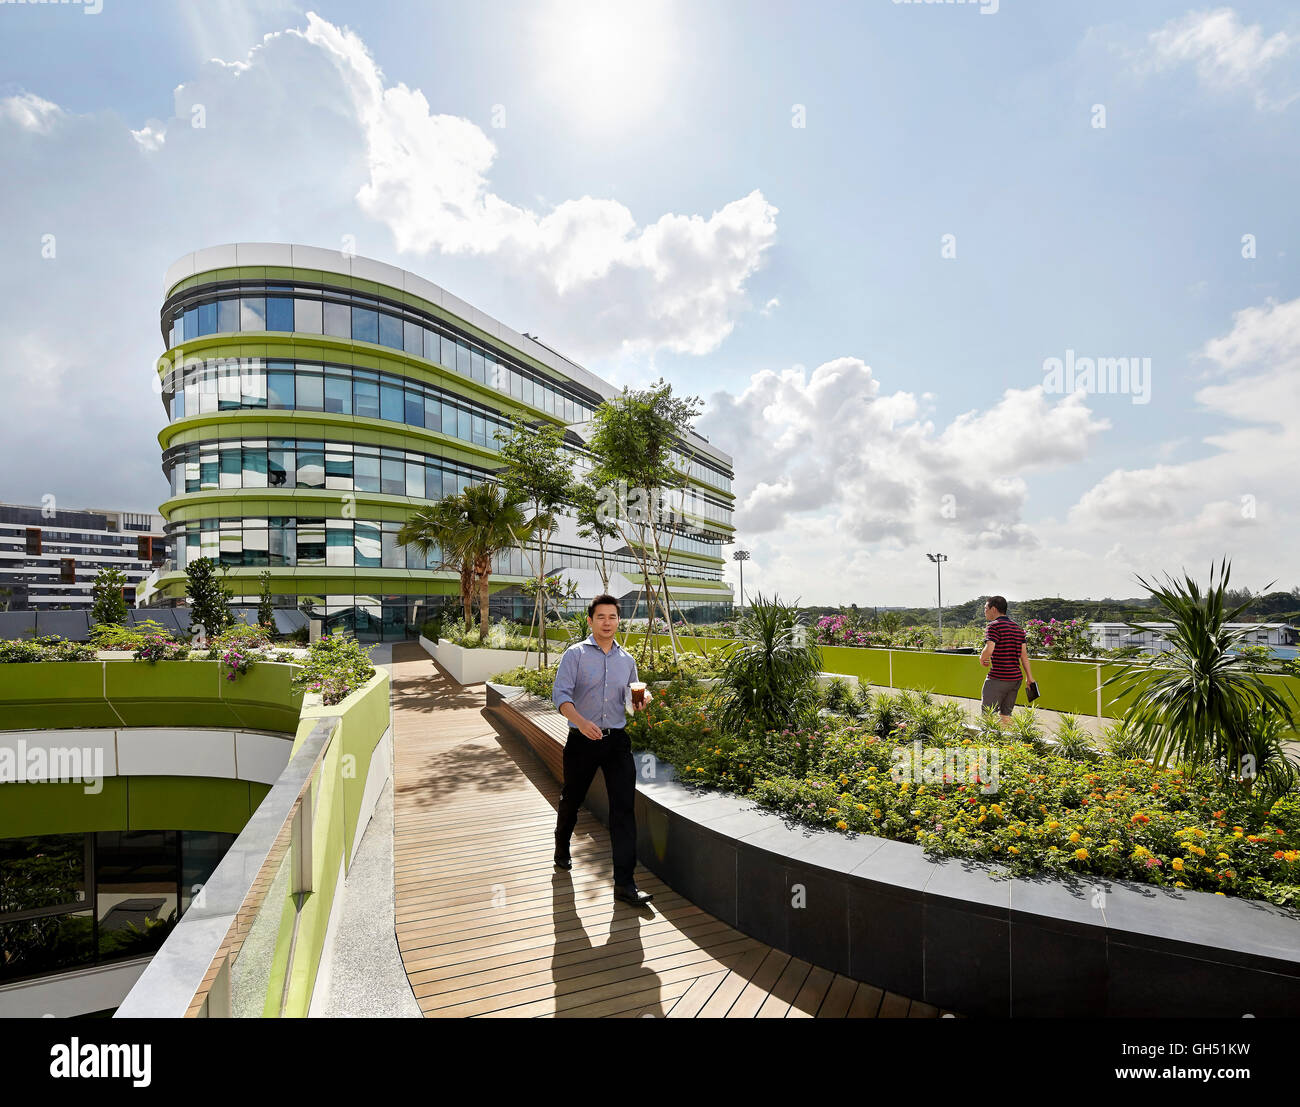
{"x":1059,"y":640}
{"x":336,"y":666}
{"x":238,"y":661}
{"x":47,"y":648}
{"x":1113,"y":818}
{"x":837,"y":630}
{"x":159,"y":647}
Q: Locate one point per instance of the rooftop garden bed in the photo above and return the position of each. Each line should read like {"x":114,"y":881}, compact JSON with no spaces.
{"x":1096,"y":814}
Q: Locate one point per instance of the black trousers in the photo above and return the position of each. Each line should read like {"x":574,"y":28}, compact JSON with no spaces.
{"x":612,"y":755}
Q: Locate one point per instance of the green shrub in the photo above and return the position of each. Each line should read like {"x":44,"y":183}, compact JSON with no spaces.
{"x":50,"y":647}
{"x":336,"y":665}
{"x":112,"y":636}
{"x":1044,"y":813}
{"x":1073,"y":740}
{"x":837,"y":697}
{"x":537,"y":682}
{"x":863,"y":700}
{"x":770,"y":674}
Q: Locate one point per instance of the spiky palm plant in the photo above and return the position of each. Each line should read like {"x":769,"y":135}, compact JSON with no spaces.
{"x":768,"y":676}
{"x":1073,"y":740}
{"x":1198,"y":702}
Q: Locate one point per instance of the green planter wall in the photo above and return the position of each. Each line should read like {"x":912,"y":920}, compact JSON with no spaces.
{"x":76,"y":694}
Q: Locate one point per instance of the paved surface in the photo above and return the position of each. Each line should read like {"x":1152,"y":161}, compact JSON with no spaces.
{"x":487,"y":927}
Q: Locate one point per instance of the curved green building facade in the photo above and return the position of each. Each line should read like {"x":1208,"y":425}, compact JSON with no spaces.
{"x":315,"y":399}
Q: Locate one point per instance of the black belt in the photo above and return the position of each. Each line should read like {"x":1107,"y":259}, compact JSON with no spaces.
{"x":605,"y":731}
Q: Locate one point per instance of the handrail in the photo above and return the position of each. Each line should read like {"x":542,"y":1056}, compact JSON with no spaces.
{"x":190,"y":975}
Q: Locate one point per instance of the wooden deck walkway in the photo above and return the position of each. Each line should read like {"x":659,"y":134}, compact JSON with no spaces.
{"x":487,"y":927}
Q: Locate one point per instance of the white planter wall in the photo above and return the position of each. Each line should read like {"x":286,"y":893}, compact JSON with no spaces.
{"x":475,"y":666}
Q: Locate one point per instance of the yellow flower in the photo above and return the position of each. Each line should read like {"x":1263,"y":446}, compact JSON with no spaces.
{"x":1081,"y":854}
{"x":981,"y":818}
{"x":860,"y":806}
{"x":832,"y":810}
{"x":1074,"y":837}
{"x":1179,"y":884}
{"x":1052,"y":824}
{"x":1177,"y":864}
{"x":1012,"y":849}
{"x":841,"y":825}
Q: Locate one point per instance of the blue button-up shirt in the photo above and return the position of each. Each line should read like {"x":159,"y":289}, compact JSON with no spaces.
{"x":595,"y":682}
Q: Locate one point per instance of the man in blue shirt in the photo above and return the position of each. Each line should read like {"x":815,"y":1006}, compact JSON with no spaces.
{"x":592,"y":690}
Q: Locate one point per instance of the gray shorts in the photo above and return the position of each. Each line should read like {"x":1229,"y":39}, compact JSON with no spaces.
{"x":1000,"y":694}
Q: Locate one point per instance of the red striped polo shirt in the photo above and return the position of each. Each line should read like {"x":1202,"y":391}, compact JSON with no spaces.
{"x":1007,"y":638}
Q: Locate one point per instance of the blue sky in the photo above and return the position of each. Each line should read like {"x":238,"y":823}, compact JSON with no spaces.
{"x":649,"y":207}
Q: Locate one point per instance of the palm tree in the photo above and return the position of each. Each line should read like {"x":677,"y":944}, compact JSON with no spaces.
{"x":469,"y":530}
{"x":1198,"y":701}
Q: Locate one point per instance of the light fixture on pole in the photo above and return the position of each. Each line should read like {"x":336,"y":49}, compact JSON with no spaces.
{"x":938,"y":560}
{"x":741,"y":556}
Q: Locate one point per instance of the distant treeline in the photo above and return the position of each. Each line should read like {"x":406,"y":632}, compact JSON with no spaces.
{"x":1274,"y":607}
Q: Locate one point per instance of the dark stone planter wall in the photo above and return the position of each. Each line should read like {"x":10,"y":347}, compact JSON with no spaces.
{"x":945,"y":931}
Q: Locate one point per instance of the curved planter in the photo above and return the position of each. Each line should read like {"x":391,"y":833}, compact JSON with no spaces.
{"x":946,"y":931}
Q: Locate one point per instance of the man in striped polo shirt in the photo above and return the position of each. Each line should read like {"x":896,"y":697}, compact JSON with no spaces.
{"x":1005,"y":655}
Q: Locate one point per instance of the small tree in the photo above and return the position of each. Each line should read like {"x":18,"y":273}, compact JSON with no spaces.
{"x":208,"y":598}
{"x":537,"y":471}
{"x":265,"y":609}
{"x":594,"y":523}
{"x":634,"y":442}
{"x":110,"y":601}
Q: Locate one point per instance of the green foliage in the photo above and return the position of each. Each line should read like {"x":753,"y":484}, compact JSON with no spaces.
{"x":1073,"y":740}
{"x":160,"y":646}
{"x":434,"y":627}
{"x":837,"y":696}
{"x":109,"y":604}
{"x":239,"y":647}
{"x":1258,"y":659}
{"x":1026,"y":727}
{"x":336,"y":665}
{"x":1121,"y":742}
{"x":501,"y":635}
{"x":1045,"y":813}
{"x":49,"y":647}
{"x":1199,"y":704}
{"x":863,"y":702}
{"x":537,"y":682}
{"x":769,"y":675}
{"x":209,"y":599}
{"x":467,"y":531}
{"x":265,"y":608}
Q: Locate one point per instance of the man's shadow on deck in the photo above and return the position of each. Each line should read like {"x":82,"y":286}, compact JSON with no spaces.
{"x":571,"y":963}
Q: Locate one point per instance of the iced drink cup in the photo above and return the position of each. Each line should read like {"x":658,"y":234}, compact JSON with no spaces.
{"x":638,"y":693}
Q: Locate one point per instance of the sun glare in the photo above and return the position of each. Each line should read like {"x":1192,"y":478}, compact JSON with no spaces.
{"x":605,"y":62}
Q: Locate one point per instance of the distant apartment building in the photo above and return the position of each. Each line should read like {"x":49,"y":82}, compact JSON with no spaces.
{"x":1154,"y":637}
{"x":49,"y":556}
